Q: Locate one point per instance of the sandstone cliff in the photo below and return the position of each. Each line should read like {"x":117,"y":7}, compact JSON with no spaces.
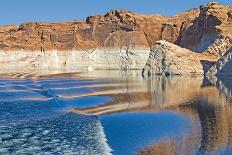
{"x":195,"y":29}
{"x":114,"y":29}
{"x":213,"y":21}
{"x":120,"y":40}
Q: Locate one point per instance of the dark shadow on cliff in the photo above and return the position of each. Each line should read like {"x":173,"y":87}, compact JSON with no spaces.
{"x":206,"y":65}
{"x":192,"y":36}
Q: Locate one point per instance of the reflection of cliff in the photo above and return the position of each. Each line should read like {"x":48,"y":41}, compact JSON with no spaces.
{"x":207,"y":107}
{"x":212,"y":114}
{"x":153,"y":94}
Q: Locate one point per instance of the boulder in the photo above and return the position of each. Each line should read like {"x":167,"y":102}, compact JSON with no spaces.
{"x":169,"y":59}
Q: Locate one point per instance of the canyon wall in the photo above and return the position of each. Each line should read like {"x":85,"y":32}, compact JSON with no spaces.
{"x":115,"y":29}
{"x":195,"y":29}
{"x":108,"y":35}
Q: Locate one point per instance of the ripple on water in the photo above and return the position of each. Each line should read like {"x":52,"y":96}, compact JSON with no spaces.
{"x":32,"y":120}
{"x":63,"y":134}
{"x":34,"y":117}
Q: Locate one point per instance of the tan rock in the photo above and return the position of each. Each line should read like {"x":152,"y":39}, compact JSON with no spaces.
{"x":200,"y":30}
{"x":213,"y":21}
{"x":195,"y":29}
{"x":168,"y":59}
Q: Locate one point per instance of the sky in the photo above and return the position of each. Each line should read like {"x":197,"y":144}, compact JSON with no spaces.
{"x":18,"y":11}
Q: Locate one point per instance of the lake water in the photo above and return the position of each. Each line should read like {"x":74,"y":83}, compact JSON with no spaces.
{"x":111,"y":112}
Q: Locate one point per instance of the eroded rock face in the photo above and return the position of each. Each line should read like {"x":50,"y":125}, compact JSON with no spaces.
{"x":121,"y":59}
{"x":195,"y":29}
{"x":112,"y":30}
{"x":213,"y":21}
{"x":122,"y":40}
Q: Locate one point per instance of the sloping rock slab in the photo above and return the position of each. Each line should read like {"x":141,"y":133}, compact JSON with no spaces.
{"x":168,"y":59}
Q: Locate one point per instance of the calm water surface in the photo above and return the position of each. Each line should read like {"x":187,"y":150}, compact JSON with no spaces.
{"x":110,"y":112}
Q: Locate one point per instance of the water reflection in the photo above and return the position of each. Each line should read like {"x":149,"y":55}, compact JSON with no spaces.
{"x":34,"y":120}
{"x":207,"y":105}
{"x":77,"y":113}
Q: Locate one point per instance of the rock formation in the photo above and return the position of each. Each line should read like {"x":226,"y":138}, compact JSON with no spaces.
{"x":169,"y":59}
{"x":223,"y":66}
{"x":209,"y":34}
{"x":121,"y":40}
{"x":214,"y":20}
{"x":114,"y":29}
{"x":195,"y":29}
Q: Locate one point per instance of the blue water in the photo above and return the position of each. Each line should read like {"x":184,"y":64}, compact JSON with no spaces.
{"x":122,"y":115}
{"x":34,"y":120}
{"x":127,"y":133}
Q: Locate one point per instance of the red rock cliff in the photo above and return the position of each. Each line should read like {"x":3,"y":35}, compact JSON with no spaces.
{"x":195,"y":29}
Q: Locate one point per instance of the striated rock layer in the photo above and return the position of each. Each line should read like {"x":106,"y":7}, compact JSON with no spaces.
{"x":119,"y":40}
{"x":124,"y":59}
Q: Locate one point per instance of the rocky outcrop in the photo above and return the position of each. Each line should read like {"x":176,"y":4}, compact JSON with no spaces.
{"x":169,"y":59}
{"x":220,"y":46}
{"x":195,"y":29}
{"x":223,"y":65}
{"x":112,"y":30}
{"x":121,"y":40}
{"x":212,"y":22}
